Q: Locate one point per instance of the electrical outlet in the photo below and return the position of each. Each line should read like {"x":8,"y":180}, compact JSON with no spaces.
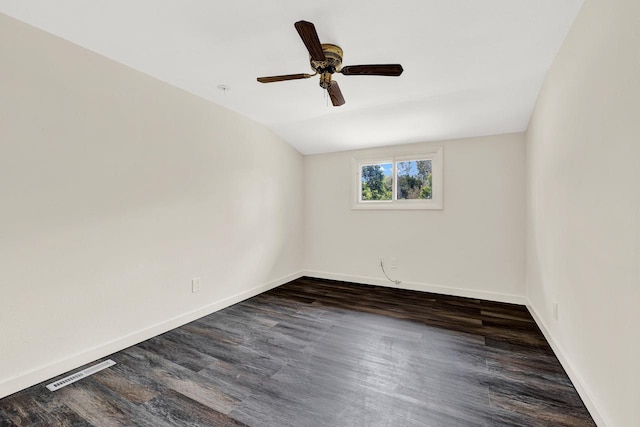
{"x":555,"y":310}
{"x":195,"y":285}
{"x":394,"y":262}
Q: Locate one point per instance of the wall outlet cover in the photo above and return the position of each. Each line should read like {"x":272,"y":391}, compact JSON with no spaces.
{"x":195,"y":285}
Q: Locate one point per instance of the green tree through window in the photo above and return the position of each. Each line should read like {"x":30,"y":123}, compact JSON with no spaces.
{"x":414,"y":179}
{"x":377,"y":182}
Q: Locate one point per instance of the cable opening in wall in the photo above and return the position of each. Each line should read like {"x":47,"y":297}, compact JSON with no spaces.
{"x":397,"y":282}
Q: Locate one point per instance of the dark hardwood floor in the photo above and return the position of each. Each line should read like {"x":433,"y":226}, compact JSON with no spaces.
{"x":322,"y":353}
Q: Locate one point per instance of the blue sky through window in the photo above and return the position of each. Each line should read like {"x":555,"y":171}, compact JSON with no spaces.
{"x":413,"y":167}
{"x":387,"y":168}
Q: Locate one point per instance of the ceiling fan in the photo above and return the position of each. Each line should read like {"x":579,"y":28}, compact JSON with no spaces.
{"x":326,"y":59}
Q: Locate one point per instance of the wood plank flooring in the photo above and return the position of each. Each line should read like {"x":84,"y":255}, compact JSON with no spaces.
{"x":322,"y":353}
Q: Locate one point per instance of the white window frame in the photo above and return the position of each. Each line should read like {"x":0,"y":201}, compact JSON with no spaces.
{"x":436,"y":201}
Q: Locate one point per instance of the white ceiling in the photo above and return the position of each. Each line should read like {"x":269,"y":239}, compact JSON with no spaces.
{"x":472,"y":67}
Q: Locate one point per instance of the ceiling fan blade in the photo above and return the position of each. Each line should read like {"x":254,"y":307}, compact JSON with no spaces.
{"x":310,"y":39}
{"x":273,"y":79}
{"x":373,"y":70}
{"x":335,"y":94}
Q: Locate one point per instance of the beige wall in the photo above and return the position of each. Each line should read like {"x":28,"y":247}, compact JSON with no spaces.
{"x":584,"y":210}
{"x":474,"y":247}
{"x":116,"y":191}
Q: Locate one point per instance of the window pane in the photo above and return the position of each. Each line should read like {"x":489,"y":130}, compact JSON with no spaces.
{"x":414,"y":179}
{"x":376,"y":181}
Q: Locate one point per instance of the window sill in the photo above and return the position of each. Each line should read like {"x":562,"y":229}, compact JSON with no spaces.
{"x":397,"y":205}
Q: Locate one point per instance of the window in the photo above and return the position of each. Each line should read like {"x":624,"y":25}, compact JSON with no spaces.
{"x":399,"y":182}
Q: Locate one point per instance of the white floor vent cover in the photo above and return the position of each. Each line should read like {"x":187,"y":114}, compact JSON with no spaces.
{"x":80,"y":375}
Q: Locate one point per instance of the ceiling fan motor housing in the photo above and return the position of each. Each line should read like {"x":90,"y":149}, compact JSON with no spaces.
{"x":333,"y":62}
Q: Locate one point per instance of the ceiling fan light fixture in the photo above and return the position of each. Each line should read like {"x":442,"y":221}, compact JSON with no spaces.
{"x":325,"y":80}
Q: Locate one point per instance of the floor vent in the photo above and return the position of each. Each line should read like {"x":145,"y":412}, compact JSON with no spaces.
{"x":80,"y":375}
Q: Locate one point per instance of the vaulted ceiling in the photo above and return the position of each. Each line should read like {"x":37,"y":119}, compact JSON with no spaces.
{"x":472,"y":67}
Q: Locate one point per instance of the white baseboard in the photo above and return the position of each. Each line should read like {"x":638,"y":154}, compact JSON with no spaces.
{"x":573,"y":374}
{"x":423,"y":287}
{"x":43,"y":373}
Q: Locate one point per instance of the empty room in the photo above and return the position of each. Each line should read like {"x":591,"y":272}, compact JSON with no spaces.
{"x":297,"y":213}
